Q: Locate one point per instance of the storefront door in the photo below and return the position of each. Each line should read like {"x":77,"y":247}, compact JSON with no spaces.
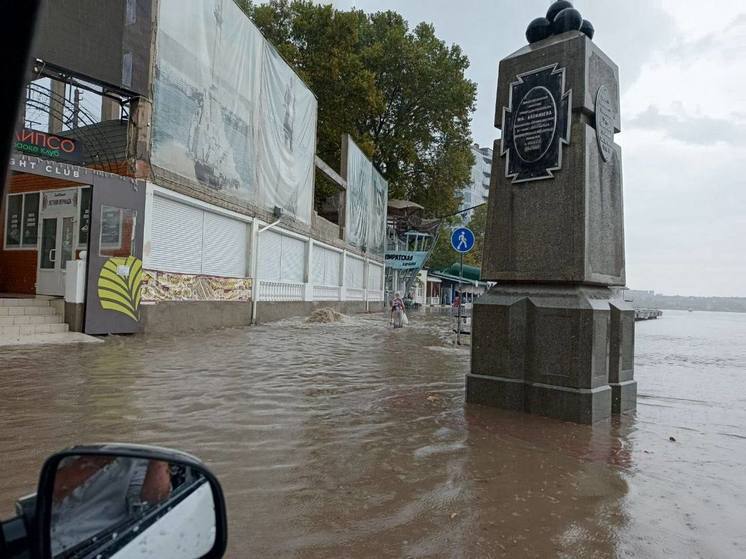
{"x":58,"y":215}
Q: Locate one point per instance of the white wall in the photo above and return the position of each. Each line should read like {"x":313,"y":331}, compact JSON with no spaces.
{"x":187,"y":236}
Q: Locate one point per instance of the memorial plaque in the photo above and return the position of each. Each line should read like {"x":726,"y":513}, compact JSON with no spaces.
{"x":536,"y":124}
{"x":604,"y":123}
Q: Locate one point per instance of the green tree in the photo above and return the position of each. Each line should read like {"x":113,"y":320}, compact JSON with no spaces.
{"x":400,"y":92}
{"x":443,"y":254}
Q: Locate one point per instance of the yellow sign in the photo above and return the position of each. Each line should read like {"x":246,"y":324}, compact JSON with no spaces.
{"x":120,"y":286}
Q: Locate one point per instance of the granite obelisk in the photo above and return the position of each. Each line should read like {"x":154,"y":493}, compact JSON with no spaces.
{"x":551,"y":338}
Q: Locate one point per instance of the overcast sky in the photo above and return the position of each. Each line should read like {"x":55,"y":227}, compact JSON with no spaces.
{"x":683,"y":73}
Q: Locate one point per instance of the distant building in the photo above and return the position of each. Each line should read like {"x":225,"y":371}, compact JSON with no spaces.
{"x":478,"y":190}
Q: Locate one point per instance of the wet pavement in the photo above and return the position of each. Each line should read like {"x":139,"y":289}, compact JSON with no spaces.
{"x":352,"y":439}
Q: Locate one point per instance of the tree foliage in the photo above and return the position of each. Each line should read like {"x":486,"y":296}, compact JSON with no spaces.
{"x":401,"y":93}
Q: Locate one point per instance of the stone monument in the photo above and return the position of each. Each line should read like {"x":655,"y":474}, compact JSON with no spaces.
{"x":551,"y":338}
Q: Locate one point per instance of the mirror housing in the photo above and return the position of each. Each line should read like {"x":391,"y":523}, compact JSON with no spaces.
{"x":98,"y":457}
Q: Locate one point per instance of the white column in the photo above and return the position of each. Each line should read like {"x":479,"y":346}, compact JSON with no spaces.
{"x":383,"y":280}
{"x":254,"y":267}
{"x":365,"y":282}
{"x":308,"y":291}
{"x":342,"y":278}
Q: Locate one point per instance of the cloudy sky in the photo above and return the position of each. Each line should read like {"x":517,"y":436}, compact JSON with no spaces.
{"x":683,"y":72}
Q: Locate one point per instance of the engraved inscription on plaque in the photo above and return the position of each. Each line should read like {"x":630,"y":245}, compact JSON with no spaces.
{"x":536,"y":124}
{"x":604,"y":123}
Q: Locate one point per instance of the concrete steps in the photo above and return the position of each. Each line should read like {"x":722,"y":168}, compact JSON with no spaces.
{"x":25,"y":317}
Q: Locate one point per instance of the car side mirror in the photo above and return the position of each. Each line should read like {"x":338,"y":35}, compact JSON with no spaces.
{"x":128,"y":501}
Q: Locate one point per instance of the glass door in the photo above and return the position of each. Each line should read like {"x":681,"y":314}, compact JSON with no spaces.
{"x":57,"y":242}
{"x":50,"y":278}
{"x":48,"y":256}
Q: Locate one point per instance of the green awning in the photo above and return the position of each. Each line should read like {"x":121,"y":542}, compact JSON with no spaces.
{"x":472,"y":273}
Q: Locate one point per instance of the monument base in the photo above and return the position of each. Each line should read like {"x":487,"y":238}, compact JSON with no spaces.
{"x":546,"y":349}
{"x":568,"y":404}
{"x":623,"y":396}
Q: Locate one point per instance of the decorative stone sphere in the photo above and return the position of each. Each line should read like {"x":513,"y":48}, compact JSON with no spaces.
{"x":538,"y":29}
{"x":587,"y":28}
{"x":568,"y":19}
{"x":556,"y":8}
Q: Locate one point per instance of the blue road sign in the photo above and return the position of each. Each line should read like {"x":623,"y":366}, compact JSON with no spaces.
{"x":462,"y":239}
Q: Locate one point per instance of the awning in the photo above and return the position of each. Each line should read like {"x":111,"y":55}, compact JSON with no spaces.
{"x":466,"y":282}
{"x":449,"y":277}
{"x":404,"y":205}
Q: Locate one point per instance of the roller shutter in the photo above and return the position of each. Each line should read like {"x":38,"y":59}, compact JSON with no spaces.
{"x":224,"y":246}
{"x":355,"y":272}
{"x":374,"y":277}
{"x":189,"y":240}
{"x":281,"y":258}
{"x":176,"y":237}
{"x":325,"y":266}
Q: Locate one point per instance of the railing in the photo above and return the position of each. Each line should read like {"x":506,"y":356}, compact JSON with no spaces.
{"x":280,"y":291}
{"x":374,"y":295}
{"x":355,"y":294}
{"x":326,"y":293}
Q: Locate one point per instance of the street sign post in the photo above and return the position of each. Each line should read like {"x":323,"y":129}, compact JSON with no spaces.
{"x":462,"y":241}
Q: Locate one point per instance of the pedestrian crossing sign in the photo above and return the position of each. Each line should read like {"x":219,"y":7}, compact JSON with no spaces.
{"x":462,"y":239}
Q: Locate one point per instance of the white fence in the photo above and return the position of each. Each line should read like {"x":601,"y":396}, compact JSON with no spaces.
{"x":292,"y":267}
{"x":278,"y":291}
{"x":355,"y":294}
{"x":326,"y":293}
{"x":373,"y":295}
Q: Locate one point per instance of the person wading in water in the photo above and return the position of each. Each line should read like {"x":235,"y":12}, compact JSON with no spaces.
{"x":397,"y":311}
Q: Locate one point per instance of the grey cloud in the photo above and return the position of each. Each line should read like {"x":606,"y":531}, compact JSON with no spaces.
{"x":630,"y":32}
{"x":728,"y":41}
{"x":697,"y":130}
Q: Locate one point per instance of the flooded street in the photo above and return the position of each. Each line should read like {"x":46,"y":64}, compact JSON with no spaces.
{"x":352,"y":439}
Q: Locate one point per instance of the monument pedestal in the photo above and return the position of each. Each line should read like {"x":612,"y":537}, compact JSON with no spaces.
{"x":621,"y":358}
{"x":551,"y":338}
{"x":547,"y":349}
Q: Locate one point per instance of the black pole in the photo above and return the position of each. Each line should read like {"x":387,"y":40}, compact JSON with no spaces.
{"x":16,"y":36}
{"x":460,"y":300}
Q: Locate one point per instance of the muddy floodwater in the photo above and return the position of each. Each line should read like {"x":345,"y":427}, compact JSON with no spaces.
{"x":352,"y":439}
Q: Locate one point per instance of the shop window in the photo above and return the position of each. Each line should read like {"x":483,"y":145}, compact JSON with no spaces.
{"x":30,"y":220}
{"x":22,"y":221}
{"x":117,"y":231}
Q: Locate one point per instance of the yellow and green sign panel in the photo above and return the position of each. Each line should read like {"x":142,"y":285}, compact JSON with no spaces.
{"x":120,"y":286}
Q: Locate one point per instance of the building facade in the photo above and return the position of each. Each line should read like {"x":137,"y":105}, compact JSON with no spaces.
{"x":186,"y":200}
{"x":478,"y":189}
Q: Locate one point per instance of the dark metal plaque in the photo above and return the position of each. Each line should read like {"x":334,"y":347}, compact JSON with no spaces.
{"x":604,"y":123}
{"x":536,"y":124}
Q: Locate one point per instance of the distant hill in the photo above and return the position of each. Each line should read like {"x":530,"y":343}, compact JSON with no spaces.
{"x":650,"y":299}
